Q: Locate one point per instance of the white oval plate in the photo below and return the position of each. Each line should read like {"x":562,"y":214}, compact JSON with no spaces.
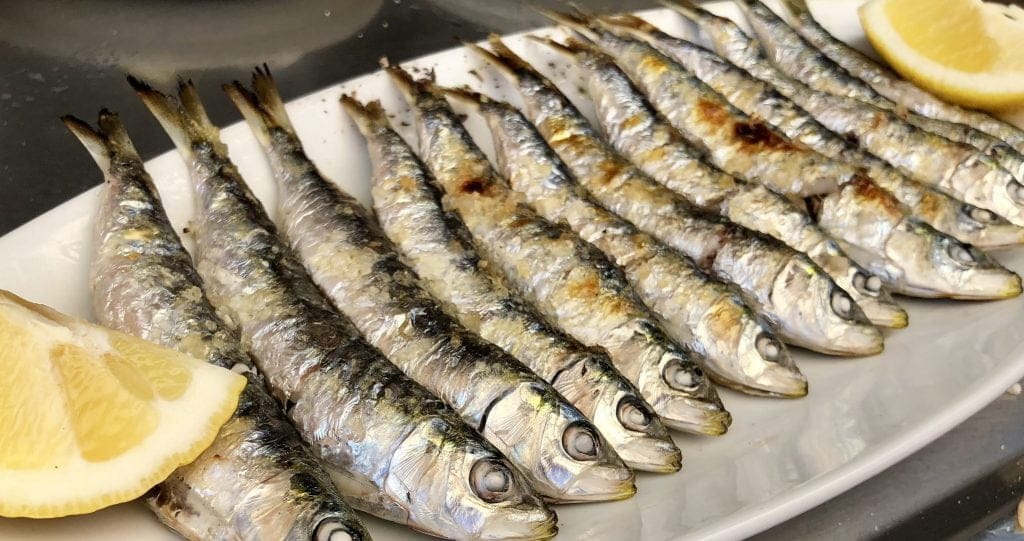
{"x":779,"y":458}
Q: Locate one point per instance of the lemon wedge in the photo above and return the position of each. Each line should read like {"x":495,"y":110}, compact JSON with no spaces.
{"x":90,"y":417}
{"x":965,"y":51}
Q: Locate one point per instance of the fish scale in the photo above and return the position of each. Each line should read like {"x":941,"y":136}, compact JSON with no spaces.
{"x":562,"y":455}
{"x":868,"y":220}
{"x":892,"y":86}
{"x":736,"y":347}
{"x":568,"y":280}
{"x":637,"y":130}
{"x":821,"y":317}
{"x":340,"y":392}
{"x":256,"y":480}
{"x":440,"y":250}
{"x":955,"y":168}
{"x":964,"y":221}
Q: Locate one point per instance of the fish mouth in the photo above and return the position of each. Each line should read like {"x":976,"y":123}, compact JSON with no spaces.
{"x":696,"y":417}
{"x":990,"y":284}
{"x":777,"y":381}
{"x":885,"y":314}
{"x":539,"y":529}
{"x":651,"y":454}
{"x":604,"y":485}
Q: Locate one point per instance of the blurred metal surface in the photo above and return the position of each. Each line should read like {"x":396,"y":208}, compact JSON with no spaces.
{"x":69,"y":56}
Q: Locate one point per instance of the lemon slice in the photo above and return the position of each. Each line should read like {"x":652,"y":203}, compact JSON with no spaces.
{"x":90,"y":417}
{"x":965,"y":51}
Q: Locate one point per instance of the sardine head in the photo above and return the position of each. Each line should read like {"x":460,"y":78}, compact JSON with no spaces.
{"x":815,"y":313}
{"x":625,"y":420}
{"x":462,"y":488}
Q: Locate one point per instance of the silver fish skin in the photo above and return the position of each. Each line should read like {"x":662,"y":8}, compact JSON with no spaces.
{"x":567,"y":279}
{"x":562,"y":455}
{"x":964,"y":222}
{"x":787,"y":47}
{"x":822,"y":316}
{"x":860,"y":213}
{"x":887,"y":83}
{"x":736,"y":348}
{"x":925,"y":157}
{"x":956,"y":168}
{"x":425,"y":468}
{"x":256,"y":481}
{"x":438,"y":247}
{"x":638,"y":132}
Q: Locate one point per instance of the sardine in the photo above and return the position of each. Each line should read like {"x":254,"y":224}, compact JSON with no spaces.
{"x":808,"y":307}
{"x":562,"y":455}
{"x":958,"y":169}
{"x":733,"y":345}
{"x":880,"y":132}
{"x":866,"y":218}
{"x":638,"y":132}
{"x":964,"y":222}
{"x":821,"y":73}
{"x":568,"y":280}
{"x":892,"y":86}
{"x":256,"y":481}
{"x":437,"y":246}
{"x":393,"y":449}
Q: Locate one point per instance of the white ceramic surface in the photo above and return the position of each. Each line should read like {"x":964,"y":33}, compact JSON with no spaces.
{"x":778,"y":459}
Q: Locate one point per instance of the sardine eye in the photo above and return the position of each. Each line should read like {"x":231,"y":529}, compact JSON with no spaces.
{"x":1016,"y":191}
{"x":869,"y":284}
{"x":331,"y":529}
{"x":682,"y":377}
{"x":769,"y":348}
{"x":633,"y":414}
{"x":980,"y":215}
{"x":492,"y":480}
{"x":580,"y":441}
{"x":961,"y":254}
{"x":841,"y":303}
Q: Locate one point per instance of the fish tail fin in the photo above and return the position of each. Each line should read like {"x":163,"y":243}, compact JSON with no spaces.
{"x":578,"y":22}
{"x":466,"y":96}
{"x":168,"y":113}
{"x":262,"y":107}
{"x":506,"y":61}
{"x":116,"y":134}
{"x":411,"y":88}
{"x":627,"y":20}
{"x":688,"y":9}
{"x":573,"y":47}
{"x":192,"y":109}
{"x":368,"y":117}
{"x":796,"y":7}
{"x":94,"y":142}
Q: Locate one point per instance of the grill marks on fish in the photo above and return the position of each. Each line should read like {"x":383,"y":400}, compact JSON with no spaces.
{"x":349,"y":256}
{"x":880,"y":132}
{"x":437,"y":244}
{"x":959,"y":169}
{"x":689,"y":302}
{"x":551,"y":271}
{"x":256,"y":480}
{"x":341,"y":391}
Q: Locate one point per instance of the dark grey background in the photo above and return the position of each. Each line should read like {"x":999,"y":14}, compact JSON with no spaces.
{"x":68,"y":56}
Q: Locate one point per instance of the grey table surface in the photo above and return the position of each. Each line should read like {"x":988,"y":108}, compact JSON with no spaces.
{"x":67,"y":56}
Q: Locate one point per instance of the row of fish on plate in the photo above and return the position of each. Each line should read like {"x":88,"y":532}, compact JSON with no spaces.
{"x":492,"y":338}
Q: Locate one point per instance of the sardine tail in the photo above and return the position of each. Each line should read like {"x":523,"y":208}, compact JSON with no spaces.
{"x":93,"y":142}
{"x":116,"y":135}
{"x":796,"y":7}
{"x":367,"y":116}
{"x":248,"y":103}
{"x":192,"y":108}
{"x":167,"y":113}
